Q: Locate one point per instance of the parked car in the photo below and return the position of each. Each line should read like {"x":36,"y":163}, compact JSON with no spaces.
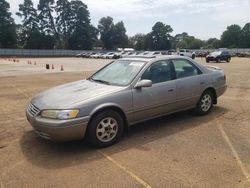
{"x":109,"y":55}
{"x":123,"y":93}
{"x":97,"y":55}
{"x":218,"y":56}
{"x":185,"y":52}
{"x":87,"y":54}
{"x":80,"y":54}
{"x":128,"y":54}
{"x":118,"y":55}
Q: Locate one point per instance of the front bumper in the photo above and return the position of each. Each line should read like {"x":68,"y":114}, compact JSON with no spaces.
{"x":59,"y":130}
{"x":211,"y":58}
{"x":221,"y":90}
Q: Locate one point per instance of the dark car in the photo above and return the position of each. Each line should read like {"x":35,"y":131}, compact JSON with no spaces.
{"x":218,"y":56}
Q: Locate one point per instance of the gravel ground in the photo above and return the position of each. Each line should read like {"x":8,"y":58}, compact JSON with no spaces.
{"x":180,"y":150}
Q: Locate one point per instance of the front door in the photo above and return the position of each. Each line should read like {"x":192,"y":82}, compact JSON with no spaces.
{"x":160,"y":98}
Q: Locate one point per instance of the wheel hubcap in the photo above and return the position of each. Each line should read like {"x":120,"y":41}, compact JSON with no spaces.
{"x":206,"y":102}
{"x":107,"y":129}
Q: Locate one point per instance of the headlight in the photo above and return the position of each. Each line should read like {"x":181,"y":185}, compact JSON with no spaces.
{"x":60,"y":114}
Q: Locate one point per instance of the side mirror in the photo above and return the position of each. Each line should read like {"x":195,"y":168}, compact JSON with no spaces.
{"x":143,"y":83}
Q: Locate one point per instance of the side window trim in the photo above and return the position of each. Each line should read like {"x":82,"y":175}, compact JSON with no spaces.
{"x":172,"y":70}
{"x":192,"y":64}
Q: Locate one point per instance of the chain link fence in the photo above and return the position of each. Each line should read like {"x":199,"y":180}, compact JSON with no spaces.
{"x":72,"y":53}
{"x":38,"y":53}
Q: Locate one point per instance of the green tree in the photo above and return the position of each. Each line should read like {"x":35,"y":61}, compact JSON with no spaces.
{"x":30,"y":24}
{"x":178,"y":38}
{"x":47,"y":23}
{"x":81,"y":30}
{"x":212,"y":43}
{"x":63,"y":22}
{"x":120,"y":39}
{"x":231,"y":37}
{"x":182,"y":44}
{"x":105,"y":27}
{"x":138,"y":41}
{"x":160,"y":36}
{"x":29,"y":15}
{"x":7,"y":27}
{"x":245,"y":36}
{"x":195,"y":43}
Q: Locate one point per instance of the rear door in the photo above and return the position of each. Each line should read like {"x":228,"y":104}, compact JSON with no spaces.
{"x":190,"y":83}
{"x":158,"y":99}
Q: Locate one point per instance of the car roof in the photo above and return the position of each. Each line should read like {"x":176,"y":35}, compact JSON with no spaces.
{"x":153,"y":58}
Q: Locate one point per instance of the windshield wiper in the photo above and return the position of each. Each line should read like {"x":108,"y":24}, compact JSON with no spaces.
{"x":101,"y":81}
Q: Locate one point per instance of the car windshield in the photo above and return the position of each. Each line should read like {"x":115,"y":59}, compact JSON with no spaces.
{"x":216,"y":53}
{"x":120,"y":72}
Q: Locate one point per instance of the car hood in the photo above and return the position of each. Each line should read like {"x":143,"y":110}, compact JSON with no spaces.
{"x":67,"y":95}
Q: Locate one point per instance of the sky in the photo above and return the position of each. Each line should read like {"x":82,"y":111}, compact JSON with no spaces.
{"x":200,"y":18}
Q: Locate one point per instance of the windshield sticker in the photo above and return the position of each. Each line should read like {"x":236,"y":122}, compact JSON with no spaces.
{"x":138,"y":64}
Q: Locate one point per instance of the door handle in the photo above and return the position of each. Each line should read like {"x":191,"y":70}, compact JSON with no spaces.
{"x":170,"y":90}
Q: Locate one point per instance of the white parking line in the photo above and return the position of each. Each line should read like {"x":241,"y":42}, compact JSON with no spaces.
{"x":138,"y":179}
{"x":235,"y":154}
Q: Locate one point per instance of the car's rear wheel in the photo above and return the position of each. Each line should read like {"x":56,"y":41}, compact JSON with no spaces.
{"x":228,"y":60}
{"x":205,"y":103}
{"x":207,"y":60}
{"x":105,"y":129}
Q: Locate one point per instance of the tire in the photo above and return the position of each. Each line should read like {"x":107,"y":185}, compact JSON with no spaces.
{"x":207,"y":60}
{"x":218,"y":60}
{"x":228,"y":60}
{"x":193,"y":56}
{"x":105,"y":129}
{"x":205,"y":103}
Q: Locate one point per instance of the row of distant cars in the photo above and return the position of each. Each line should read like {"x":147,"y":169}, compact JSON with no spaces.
{"x":216,"y":56}
{"x":117,"y":55}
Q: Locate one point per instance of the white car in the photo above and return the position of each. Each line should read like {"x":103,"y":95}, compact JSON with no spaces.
{"x":185,"y":52}
{"x":97,"y":55}
{"x":109,"y":55}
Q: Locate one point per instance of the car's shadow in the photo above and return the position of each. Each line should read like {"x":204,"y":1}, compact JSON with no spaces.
{"x":50,"y":155}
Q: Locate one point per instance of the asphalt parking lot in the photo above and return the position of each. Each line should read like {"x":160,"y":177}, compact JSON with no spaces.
{"x":180,"y":150}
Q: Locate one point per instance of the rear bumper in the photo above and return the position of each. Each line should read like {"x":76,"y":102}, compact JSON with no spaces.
{"x":59,"y":130}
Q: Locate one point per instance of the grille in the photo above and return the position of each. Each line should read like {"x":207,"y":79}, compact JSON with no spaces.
{"x":33,"y":110}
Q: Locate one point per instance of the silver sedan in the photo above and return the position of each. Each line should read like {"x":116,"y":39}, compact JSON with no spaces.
{"x":123,"y":93}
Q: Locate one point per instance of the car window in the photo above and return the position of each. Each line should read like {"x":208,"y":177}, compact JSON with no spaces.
{"x":120,"y":72}
{"x":158,"y":72}
{"x":184,"y":68}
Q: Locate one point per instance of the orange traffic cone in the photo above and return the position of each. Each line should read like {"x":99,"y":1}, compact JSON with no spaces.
{"x":62,"y":69}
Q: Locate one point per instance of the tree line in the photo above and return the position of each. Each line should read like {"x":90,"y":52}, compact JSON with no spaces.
{"x":65,"y":24}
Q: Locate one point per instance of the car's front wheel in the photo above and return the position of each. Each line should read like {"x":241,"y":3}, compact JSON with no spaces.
{"x":205,"y":103}
{"x":105,"y":129}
